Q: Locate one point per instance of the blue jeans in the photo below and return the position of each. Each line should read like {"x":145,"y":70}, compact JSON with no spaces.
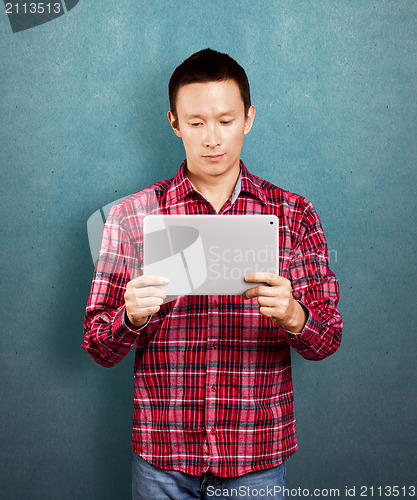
{"x":151,"y":483}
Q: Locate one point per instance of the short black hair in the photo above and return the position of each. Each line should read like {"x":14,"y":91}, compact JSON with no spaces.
{"x":208,"y":66}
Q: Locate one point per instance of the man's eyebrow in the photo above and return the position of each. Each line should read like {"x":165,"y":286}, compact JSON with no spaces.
{"x":230,"y":112}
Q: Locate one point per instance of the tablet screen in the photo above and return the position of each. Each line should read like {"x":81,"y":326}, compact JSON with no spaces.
{"x":209,"y":254}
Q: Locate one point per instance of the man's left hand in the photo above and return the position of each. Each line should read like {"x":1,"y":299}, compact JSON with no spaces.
{"x":276,"y":301}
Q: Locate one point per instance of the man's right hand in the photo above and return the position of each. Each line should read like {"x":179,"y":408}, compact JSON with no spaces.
{"x":143,"y":297}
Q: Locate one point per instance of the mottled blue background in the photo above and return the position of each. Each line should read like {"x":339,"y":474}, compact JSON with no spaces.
{"x":83,"y":122}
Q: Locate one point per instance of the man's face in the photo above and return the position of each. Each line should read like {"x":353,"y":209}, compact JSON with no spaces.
{"x":211,"y":122}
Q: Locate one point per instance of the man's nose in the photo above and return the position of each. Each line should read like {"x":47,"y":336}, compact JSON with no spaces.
{"x":212,"y":136}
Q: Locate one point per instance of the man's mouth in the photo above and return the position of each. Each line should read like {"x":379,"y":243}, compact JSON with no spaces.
{"x":213,"y":157}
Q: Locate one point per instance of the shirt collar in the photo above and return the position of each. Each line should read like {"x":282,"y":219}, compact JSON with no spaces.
{"x":181,"y":186}
{"x":252,"y":184}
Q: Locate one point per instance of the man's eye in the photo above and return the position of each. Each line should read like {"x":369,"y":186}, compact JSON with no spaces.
{"x":226,"y":122}
{"x":195,"y":124}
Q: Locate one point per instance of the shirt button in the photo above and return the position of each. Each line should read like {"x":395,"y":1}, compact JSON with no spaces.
{"x":215,"y":304}
{"x":212,"y":431}
{"x":215,"y":346}
{"x":213,"y":388}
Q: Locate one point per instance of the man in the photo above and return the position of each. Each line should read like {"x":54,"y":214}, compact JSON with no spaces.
{"x":213,"y":399}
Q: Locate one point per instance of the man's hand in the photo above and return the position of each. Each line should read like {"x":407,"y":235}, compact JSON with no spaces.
{"x":276,"y":301}
{"x":143,"y":298}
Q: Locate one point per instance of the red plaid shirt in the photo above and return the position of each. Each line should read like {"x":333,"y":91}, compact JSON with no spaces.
{"x":212,"y":376}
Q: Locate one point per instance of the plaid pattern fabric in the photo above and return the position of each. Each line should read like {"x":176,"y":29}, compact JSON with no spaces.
{"x":212,"y":376}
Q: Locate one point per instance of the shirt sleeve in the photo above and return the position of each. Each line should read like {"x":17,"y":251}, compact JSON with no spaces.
{"x":316,"y":288}
{"x":107,"y":338}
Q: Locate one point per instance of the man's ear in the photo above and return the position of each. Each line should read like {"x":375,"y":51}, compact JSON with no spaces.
{"x":249,"y":119}
{"x":174,"y":123}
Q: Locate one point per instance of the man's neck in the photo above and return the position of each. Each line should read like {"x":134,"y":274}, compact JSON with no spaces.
{"x":215,"y":189}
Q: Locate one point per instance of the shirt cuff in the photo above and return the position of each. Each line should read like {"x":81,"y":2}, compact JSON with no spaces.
{"x":309,"y":332}
{"x":121,"y":330}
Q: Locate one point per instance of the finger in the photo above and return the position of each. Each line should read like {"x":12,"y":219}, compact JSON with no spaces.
{"x":261,"y":291}
{"x":251,"y":292}
{"x":266,"y":311}
{"x":144,"y":313}
{"x":132,"y":300}
{"x":149,"y":291}
{"x":260,"y":277}
{"x":269,"y":291}
{"x":149,"y":280}
{"x":264,"y":277}
{"x":145,"y":302}
{"x":138,"y":309}
{"x":267,"y":301}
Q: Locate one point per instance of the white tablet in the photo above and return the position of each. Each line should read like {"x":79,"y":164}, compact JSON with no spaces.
{"x":209,"y":254}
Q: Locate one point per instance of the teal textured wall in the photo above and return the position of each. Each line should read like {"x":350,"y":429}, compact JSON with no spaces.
{"x":83,"y":101}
